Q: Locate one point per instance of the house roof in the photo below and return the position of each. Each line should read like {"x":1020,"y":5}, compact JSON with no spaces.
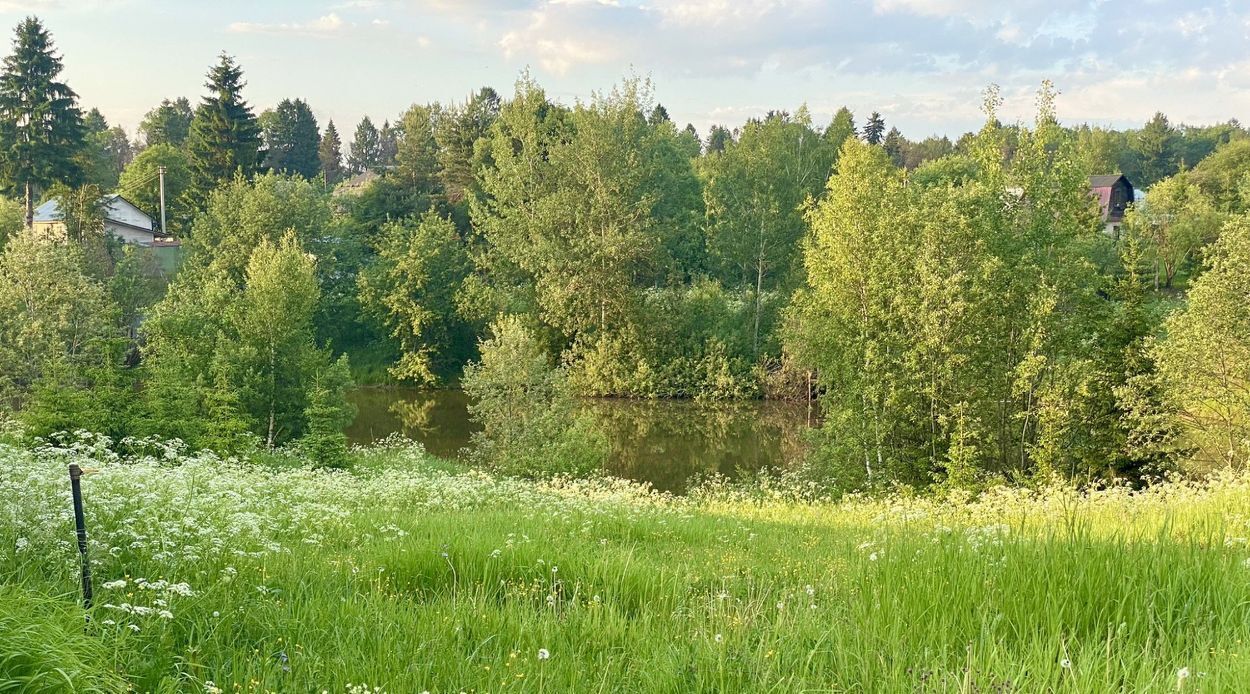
{"x":1105,"y":180}
{"x":50,"y":211}
{"x":360,"y":180}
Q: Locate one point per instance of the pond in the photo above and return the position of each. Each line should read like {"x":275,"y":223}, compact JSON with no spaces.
{"x":667,"y":443}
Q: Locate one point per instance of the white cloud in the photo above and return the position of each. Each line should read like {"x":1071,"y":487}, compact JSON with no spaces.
{"x":322,"y":26}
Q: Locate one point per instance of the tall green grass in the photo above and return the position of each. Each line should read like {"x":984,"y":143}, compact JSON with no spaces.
{"x":410,"y":576}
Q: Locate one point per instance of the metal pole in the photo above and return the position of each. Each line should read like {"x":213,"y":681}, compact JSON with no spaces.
{"x":80,"y":525}
{"x":160,"y":170}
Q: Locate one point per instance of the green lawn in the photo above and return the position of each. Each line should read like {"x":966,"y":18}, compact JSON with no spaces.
{"x":410,"y":575}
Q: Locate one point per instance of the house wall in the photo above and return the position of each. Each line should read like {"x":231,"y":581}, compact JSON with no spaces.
{"x":128,"y":235}
{"x":1121,"y":196}
{"x":128,"y":214}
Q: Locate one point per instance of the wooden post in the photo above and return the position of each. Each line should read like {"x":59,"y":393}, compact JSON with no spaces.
{"x":80,"y":525}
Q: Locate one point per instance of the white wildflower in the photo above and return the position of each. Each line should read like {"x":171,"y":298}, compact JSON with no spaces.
{"x":543,"y":654}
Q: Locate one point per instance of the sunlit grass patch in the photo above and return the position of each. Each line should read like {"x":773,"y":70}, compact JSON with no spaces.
{"x":412,"y":575}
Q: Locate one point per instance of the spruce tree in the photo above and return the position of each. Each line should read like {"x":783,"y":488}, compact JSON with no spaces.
{"x":457,"y":131}
{"x":874,"y":129}
{"x":331,"y":154}
{"x":292,"y":139}
{"x":894,"y":144}
{"x":225,"y":135}
{"x":659,"y":114}
{"x":718,"y":138}
{"x":169,"y":123}
{"x":41,"y":126}
{"x":366,"y":148}
{"x":388,"y":145}
{"x":840,"y":128}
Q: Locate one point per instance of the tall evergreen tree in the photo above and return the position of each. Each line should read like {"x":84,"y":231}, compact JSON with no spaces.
{"x":895,"y":144}
{"x":41,"y":126}
{"x":874,"y":129}
{"x":169,"y":123}
{"x":330,"y":153}
{"x":225,"y":135}
{"x":106,"y":151}
{"x":1155,"y":147}
{"x":388,"y":144}
{"x":292,"y":139}
{"x":366,"y":152}
{"x":840,"y":128}
{"x":416,"y":160}
{"x":718,"y":138}
{"x":457,"y":133}
{"x":659,"y":114}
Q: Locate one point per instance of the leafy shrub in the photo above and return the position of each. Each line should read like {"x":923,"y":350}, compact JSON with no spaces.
{"x":530,"y":423}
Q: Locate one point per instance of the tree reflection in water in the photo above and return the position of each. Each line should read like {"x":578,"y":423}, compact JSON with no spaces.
{"x":664,"y":442}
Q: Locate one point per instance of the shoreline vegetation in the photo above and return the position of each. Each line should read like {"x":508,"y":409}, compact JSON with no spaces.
{"x":410,"y":574}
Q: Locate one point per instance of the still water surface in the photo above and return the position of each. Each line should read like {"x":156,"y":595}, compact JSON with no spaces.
{"x":665,"y":442}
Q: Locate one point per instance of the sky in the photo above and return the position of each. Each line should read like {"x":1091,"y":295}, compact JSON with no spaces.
{"x":922,"y":63}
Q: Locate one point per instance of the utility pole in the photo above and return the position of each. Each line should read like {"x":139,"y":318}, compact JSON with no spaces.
{"x":160,"y":170}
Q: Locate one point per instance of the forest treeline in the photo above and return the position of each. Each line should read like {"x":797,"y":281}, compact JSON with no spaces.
{"x":955,"y":305}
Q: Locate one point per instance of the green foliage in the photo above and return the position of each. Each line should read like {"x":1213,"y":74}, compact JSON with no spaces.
{"x":531,"y":426}
{"x":225,"y":137}
{"x":106,"y":151}
{"x":840,"y":129}
{"x":366,"y":154}
{"x":291,"y":139}
{"x":12,"y":219}
{"x":1174,"y":222}
{"x":328,"y":414}
{"x":140,"y":184}
{"x":41,"y":126}
{"x":136,"y":283}
{"x":755,"y":193}
{"x":56,"y":322}
{"x":412,"y":288}
{"x":330,"y":155}
{"x":874,"y":129}
{"x":416,"y":168}
{"x":1221,"y":175}
{"x":1155,"y":147}
{"x":458,"y":131}
{"x":167,"y":124}
{"x":241,"y":352}
{"x":1204,"y":361}
{"x":950,"y":326}
{"x":574,"y":208}
{"x":240,"y":215}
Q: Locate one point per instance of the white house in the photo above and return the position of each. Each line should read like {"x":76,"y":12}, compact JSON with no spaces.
{"x":122,"y":219}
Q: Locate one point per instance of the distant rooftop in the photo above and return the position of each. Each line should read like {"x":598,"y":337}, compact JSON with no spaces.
{"x":50,"y":211}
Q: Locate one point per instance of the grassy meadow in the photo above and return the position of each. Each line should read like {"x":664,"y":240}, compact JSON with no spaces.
{"x":409,"y":575}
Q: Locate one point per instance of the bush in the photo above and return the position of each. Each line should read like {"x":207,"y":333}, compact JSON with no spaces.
{"x":530,"y":423}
